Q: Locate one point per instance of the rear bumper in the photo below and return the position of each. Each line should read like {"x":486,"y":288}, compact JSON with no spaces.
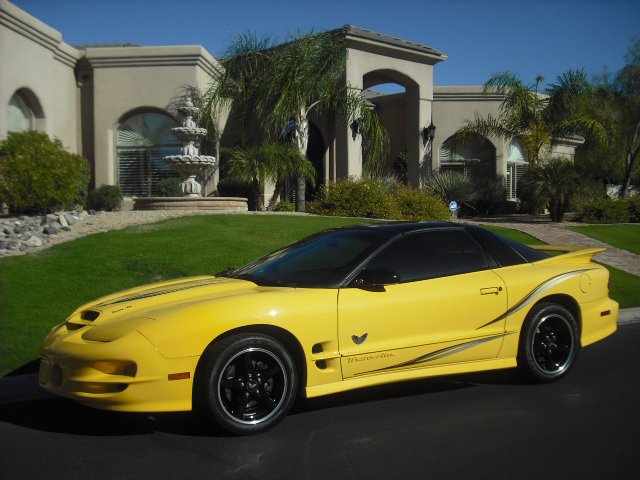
{"x":599,"y":320}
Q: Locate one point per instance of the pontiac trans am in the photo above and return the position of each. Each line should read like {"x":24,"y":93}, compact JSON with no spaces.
{"x":343,"y":309}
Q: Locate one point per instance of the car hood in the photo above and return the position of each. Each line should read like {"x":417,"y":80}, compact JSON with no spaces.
{"x":145,"y":301}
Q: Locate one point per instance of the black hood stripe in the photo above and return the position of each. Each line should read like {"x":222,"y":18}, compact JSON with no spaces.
{"x":154,"y":294}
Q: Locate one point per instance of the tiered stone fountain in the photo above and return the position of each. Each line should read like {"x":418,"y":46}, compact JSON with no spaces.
{"x":189,"y":164}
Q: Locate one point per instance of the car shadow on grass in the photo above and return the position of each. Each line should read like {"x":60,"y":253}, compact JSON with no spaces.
{"x":24,"y":403}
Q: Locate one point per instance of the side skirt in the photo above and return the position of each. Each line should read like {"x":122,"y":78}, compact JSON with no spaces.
{"x":414,"y":374}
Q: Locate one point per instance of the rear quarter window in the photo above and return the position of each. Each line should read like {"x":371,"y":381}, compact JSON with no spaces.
{"x":431,"y":254}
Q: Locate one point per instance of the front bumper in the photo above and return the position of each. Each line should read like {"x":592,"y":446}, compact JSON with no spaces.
{"x":128,"y":374}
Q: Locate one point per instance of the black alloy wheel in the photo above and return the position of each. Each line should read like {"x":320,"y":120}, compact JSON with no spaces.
{"x":246,"y":383}
{"x":549,"y":343}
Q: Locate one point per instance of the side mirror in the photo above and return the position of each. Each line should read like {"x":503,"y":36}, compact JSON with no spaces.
{"x":376,"y":277}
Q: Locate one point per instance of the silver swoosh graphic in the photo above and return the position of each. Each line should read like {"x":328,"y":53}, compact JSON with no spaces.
{"x":536,"y":293}
{"x":444,"y":352}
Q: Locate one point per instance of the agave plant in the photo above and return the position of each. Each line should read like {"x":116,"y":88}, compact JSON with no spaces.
{"x":451,"y":185}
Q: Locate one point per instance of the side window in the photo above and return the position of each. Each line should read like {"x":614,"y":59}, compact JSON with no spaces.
{"x":436,"y":253}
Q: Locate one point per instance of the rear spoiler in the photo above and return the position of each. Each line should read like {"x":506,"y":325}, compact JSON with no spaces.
{"x":571,"y":253}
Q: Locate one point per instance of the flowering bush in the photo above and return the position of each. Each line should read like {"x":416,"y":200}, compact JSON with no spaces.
{"x":354,"y":198}
{"x":415,"y":204}
{"x":377,"y":199}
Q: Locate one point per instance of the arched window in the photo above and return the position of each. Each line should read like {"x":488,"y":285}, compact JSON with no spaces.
{"x":20,"y":115}
{"x":476,"y":157}
{"x":143,"y":139}
{"x":516,"y":166}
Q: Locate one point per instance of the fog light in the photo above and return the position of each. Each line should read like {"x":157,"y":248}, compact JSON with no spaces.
{"x":100,"y":388}
{"x":116,"y":367}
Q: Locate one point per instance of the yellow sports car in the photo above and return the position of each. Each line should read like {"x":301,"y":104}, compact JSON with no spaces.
{"x":343,"y":309}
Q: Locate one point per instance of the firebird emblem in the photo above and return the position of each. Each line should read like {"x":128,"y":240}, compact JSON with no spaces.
{"x":358,"y":340}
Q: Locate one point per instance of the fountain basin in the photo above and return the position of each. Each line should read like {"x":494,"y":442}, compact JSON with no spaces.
{"x":230,"y":204}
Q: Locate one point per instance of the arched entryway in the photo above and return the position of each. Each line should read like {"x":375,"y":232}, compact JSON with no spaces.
{"x":390,"y":93}
{"x":476,"y":157}
{"x":143,"y":139}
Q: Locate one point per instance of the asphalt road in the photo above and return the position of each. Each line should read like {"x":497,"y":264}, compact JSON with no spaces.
{"x":473,"y":426}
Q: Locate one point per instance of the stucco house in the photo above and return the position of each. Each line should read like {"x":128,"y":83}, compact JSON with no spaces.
{"x":113,"y":104}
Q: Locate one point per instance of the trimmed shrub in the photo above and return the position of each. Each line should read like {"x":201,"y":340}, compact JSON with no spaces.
{"x":378,"y":199}
{"x":37,"y":174}
{"x":415,"y":205}
{"x":633,"y":204}
{"x":354,"y":198}
{"x":284,"y":206}
{"x":106,"y":197}
{"x":169,"y":187}
{"x":605,"y":210}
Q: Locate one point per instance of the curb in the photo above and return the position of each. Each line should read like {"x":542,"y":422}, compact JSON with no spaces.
{"x":628,"y":316}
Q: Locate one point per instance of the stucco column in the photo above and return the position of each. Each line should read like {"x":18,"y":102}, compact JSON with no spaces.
{"x":348,"y":145}
{"x":418,"y":117}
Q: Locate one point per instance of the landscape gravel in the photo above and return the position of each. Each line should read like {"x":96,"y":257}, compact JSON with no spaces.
{"x":26,"y":234}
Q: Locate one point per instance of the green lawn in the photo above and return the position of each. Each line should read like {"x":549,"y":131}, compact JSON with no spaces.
{"x":514,"y":235}
{"x":38,"y":291}
{"x":626,"y":237}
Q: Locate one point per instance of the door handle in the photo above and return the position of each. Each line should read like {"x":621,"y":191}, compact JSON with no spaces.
{"x":490,"y":290}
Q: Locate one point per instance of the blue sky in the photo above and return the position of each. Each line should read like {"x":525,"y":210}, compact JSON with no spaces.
{"x":545,"y":37}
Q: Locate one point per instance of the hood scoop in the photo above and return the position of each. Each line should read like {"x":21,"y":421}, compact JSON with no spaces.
{"x":90,"y":315}
{"x":86,"y":317}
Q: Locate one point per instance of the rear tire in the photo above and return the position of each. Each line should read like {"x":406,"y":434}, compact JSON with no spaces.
{"x":549,"y":343}
{"x":246,"y":383}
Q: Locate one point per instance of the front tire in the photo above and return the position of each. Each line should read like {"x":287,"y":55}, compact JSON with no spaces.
{"x":246,"y":383}
{"x":549,"y":343}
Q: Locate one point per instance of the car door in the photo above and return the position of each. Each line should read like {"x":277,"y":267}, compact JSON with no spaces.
{"x":446,"y":306}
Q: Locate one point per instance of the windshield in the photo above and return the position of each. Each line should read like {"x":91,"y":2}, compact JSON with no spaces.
{"x":322,"y":260}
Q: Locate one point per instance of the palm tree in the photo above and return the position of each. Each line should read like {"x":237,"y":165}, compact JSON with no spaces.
{"x":272,"y":162}
{"x":536,"y":119}
{"x":237,"y":86}
{"x":247,"y":165}
{"x":285,"y":162}
{"x":557,"y":183}
{"x":281,"y":86}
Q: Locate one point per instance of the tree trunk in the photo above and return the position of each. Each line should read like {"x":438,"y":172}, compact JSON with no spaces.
{"x":301,"y":191}
{"x":633,"y":149}
{"x":302,"y":141}
{"x":255,"y":187}
{"x":277,"y":191}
